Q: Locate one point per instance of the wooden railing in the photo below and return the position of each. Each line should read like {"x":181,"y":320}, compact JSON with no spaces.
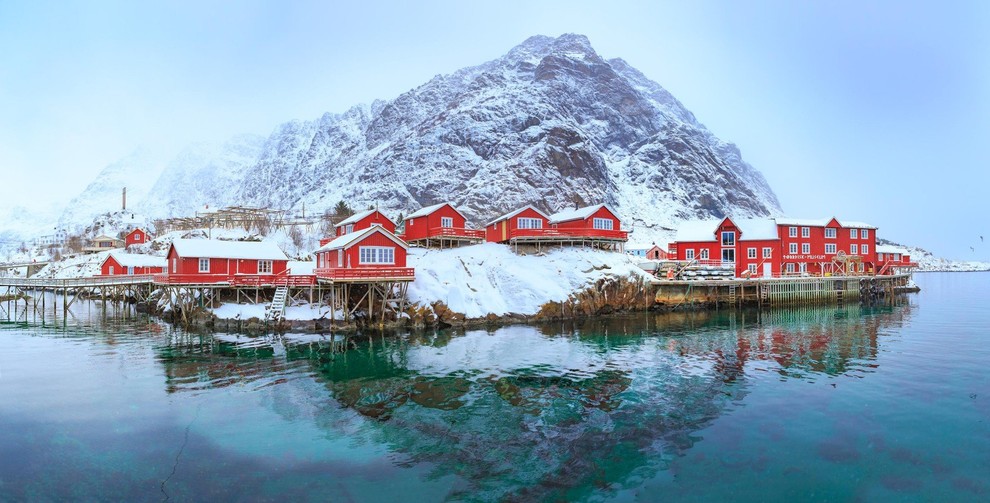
{"x":568,"y":233}
{"x":236,"y":279}
{"x":397,"y":273}
{"x":451,"y":232}
{"x":94,"y":281}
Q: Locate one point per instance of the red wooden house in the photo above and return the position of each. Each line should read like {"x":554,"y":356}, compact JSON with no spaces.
{"x":893,"y":260}
{"x":136,"y":237}
{"x":370,"y":254}
{"x":363,"y":220}
{"x":208,"y":261}
{"x":656,"y":253}
{"x":526,"y":224}
{"x":826,"y":246}
{"x":597,"y":223}
{"x":440,"y":224}
{"x":117,"y":264}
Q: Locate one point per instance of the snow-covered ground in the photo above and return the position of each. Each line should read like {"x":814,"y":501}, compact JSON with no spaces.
{"x":490,"y":278}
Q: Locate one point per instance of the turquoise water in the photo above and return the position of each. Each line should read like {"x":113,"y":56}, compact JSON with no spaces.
{"x":835,"y":404}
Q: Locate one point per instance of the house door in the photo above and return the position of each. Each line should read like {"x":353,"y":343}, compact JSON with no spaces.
{"x":767,"y":270}
{"x":504,"y":230}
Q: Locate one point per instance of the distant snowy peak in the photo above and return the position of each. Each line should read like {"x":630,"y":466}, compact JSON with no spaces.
{"x":137,"y":173}
{"x":202,"y":174}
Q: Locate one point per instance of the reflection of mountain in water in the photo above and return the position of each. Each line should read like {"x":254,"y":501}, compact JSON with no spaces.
{"x":518,"y":414}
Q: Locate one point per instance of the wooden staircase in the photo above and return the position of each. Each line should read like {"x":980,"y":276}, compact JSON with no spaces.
{"x":276,"y":310}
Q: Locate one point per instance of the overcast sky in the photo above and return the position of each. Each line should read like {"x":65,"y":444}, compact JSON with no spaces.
{"x":870,"y":111}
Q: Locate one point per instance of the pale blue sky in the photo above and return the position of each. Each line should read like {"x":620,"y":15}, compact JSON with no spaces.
{"x":873,"y":111}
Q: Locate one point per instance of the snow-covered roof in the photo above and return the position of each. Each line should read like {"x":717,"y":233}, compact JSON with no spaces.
{"x":892,"y":249}
{"x":822,"y":222}
{"x":804,"y":222}
{"x":212,"y":248}
{"x":347,"y":240}
{"x":516,"y":212}
{"x":358,"y":216}
{"x":136,"y":259}
{"x":422,"y":212}
{"x":704,"y":230}
{"x":104,"y":237}
{"x":577,"y":214}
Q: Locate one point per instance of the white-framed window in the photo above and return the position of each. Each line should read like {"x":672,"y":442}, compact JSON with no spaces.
{"x":854,"y":249}
{"x":349,"y":229}
{"x":789,"y":267}
{"x":805,"y":248}
{"x":864,"y":249}
{"x":446,"y":221}
{"x":204,"y":265}
{"x":897,"y":257}
{"x":340,"y":258}
{"x":111,"y":270}
{"x":174,"y":268}
{"x":750,"y":252}
{"x":130,"y":270}
{"x":830,"y":233}
{"x":853,"y":233}
{"x":728,"y":255}
{"x":830,"y":248}
{"x":264,"y":267}
{"x":529,"y":223}
{"x":804,"y":266}
{"x":323,"y":260}
{"x":767,"y":252}
{"x":792,"y":232}
{"x":704,"y":254}
{"x":602,"y":223}
{"x":864,"y":233}
{"x":792,"y":249}
{"x":728,"y":238}
{"x":376,"y":255}
{"x":752,"y":268}
{"x":689,"y":254}
{"x":806,"y":232}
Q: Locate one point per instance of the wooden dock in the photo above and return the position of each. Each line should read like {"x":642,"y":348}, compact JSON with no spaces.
{"x":767,"y":292}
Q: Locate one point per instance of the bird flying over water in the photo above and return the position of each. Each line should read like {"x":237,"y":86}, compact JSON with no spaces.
{"x":972,"y":249}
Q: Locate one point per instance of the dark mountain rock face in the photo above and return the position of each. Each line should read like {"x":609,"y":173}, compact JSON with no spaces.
{"x":551,"y":124}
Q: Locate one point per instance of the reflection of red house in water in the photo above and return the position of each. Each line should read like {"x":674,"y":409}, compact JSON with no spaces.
{"x":136,"y":237}
{"x":207,"y":261}
{"x":370,"y":254}
{"x":363,"y":220}
{"x":117,"y":264}
{"x":441,"y":224}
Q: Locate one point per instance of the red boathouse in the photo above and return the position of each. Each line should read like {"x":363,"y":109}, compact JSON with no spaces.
{"x":208,"y":262}
{"x":597,"y":225}
{"x":440,"y":225}
{"x":526,"y":224}
{"x":369,"y":255}
{"x":118,"y":264}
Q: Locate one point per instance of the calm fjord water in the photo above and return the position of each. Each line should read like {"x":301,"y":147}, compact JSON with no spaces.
{"x":827,"y":404}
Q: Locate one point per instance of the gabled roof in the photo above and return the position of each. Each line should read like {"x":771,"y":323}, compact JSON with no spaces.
{"x":348,"y":240}
{"x":579,"y":213}
{"x":104,"y":237}
{"x":358,"y":216}
{"x":422,"y":212}
{"x":212,"y":248}
{"x":135,"y":260}
{"x":516,"y":212}
{"x":752,"y":229}
{"x":132,"y":231}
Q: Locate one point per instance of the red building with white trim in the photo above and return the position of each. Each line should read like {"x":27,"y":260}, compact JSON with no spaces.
{"x":894,"y":260}
{"x":370,"y":254}
{"x":208,"y":261}
{"x":363,"y":220}
{"x":779,"y":247}
{"x":440,"y":224}
{"x":137,"y":236}
{"x":597,"y":223}
{"x":120,"y":264}
{"x":526,"y":224}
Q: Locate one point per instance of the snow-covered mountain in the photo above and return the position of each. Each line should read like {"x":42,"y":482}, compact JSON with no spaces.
{"x":201,"y":175}
{"x":137,"y":173}
{"x":551,"y":123}
{"x":928,"y":262}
